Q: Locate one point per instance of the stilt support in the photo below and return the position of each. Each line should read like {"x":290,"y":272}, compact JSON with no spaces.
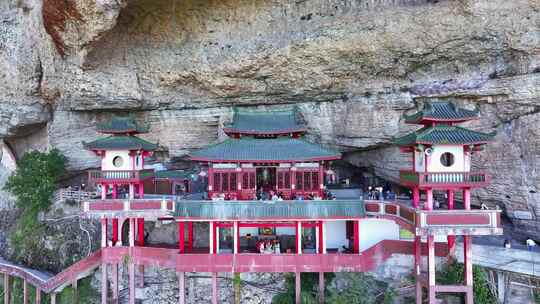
{"x":181,"y":288}
{"x":53,"y":298}
{"x":131,"y":283}
{"x":75,"y":298}
{"x":7,"y":288}
{"x":25,"y":292}
{"x":181,"y":240}
{"x":115,"y":286}
{"x":214,"y":288}
{"x":141,"y":276}
{"x":431,"y":268}
{"x":467,"y":251}
{"x":321,"y":287}
{"x":38,"y":296}
{"x":103,"y":283}
{"x":298,"y":288}
{"x":417,"y":265}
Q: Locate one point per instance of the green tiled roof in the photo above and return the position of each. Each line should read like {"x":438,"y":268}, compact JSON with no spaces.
{"x":441,"y":111}
{"x":267,"y":149}
{"x":272,"y":122}
{"x":121,"y":125}
{"x":229,"y":210}
{"x":120,"y":142}
{"x":443,"y":134}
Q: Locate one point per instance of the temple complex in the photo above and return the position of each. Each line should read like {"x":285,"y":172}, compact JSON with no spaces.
{"x":267,"y":206}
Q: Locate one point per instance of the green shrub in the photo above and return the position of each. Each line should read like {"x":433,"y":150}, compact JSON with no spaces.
{"x":453,"y":273}
{"x":309,"y":283}
{"x":362,"y":289}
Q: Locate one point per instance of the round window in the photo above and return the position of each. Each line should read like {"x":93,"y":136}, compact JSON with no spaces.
{"x":447,"y":159}
{"x":118,"y":161}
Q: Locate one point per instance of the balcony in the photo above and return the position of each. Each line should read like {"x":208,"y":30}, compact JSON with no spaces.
{"x":444,"y":180}
{"x":125,"y":176}
{"x":269,"y":210}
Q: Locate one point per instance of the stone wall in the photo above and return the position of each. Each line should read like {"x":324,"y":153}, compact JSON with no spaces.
{"x":352,"y":67}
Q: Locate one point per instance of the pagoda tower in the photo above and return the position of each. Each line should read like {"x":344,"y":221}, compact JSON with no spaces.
{"x":122,"y":157}
{"x":441,"y":160}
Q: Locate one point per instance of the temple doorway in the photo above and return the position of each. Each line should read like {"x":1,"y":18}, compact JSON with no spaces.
{"x":266,"y":178}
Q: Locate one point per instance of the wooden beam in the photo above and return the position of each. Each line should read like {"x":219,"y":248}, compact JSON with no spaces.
{"x":321,"y":287}
{"x":115,"y":286}
{"x":214,"y":288}
{"x":103,"y":283}
{"x":181,"y":287}
{"x":298,"y":288}
{"x":25,"y":292}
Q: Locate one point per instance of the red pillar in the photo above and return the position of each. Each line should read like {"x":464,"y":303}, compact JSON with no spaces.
{"x":141,"y":190}
{"x":451,"y":238}
{"x":181,"y":236}
{"x":356,"y":238}
{"x":104,"y":191}
{"x":417,"y":265}
{"x":416,"y":197}
{"x":38,"y":296}
{"x":214,"y":235}
{"x":321,"y":287}
{"x":214,"y":288}
{"x":467,"y":258}
{"x":297,"y":238}
{"x":467,"y":198}
{"x":114,"y":230}
{"x":321,"y":238}
{"x":103,"y":283}
{"x":140,"y":231}
{"x":103,"y":232}
{"x":115,"y":287}
{"x":114,"y":191}
{"x":431,"y":268}
{"x":429,"y":199}
{"x":25,"y":292}
{"x":190,"y":236}
{"x":298,"y":288}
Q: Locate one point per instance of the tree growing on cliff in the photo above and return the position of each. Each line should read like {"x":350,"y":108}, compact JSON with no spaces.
{"x":34,"y":181}
{"x":33,"y":184}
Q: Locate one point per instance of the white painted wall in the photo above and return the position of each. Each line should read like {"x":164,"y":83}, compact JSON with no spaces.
{"x":336,"y":234}
{"x":372,"y":231}
{"x":435,"y":165}
{"x":107,"y":161}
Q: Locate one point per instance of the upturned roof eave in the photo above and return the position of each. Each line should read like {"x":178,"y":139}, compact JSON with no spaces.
{"x":218,"y":160}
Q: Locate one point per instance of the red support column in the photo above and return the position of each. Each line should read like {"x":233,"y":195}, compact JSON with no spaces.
{"x":416,"y":197}
{"x":451,"y":238}
{"x":181,"y":225}
{"x":181,"y":288}
{"x":236,"y":235}
{"x":131,"y":231}
{"x":114,"y":231}
{"x":467,"y":198}
{"x":431,"y":269}
{"x":450,"y":195}
{"x":216,"y":239}
{"x":103,"y":283}
{"x":25,"y":292}
{"x":131,"y":282}
{"x":298,"y":236}
{"x":115,"y":286}
{"x":114,"y":191}
{"x":429,"y":199}
{"x":298,"y":288}
{"x":140,"y":231}
{"x":321,"y":237}
{"x":467,"y":258}
{"x":417,"y":265}
{"x":103,"y":232}
{"x":141,"y":190}
{"x":321,"y":287}
{"x":356,"y":236}
{"x":103,"y":191}
{"x":190,"y":236}
{"x":214,"y":288}
{"x":38,"y":296}
{"x":210,"y":181}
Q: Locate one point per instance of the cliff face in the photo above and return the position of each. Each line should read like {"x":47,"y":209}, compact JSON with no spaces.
{"x":352,"y":67}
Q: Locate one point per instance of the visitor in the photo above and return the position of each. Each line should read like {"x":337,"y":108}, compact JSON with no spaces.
{"x":507,"y":244}
{"x":530,"y":244}
{"x":483,"y":206}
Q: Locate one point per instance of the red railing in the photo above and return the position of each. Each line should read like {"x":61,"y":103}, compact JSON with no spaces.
{"x":135,"y":205}
{"x":119,"y":175}
{"x":460,"y":222}
{"x":434,"y":179}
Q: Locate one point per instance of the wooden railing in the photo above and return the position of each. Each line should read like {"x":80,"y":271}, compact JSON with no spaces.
{"x":474,"y":179}
{"x":161,"y":206}
{"x":103,"y":175}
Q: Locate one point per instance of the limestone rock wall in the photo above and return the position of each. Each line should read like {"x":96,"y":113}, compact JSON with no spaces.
{"x":352,"y":67}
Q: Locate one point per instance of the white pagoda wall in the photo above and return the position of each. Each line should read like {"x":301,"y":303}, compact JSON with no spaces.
{"x":434,"y":161}
{"x":372,"y":231}
{"x":107,"y":161}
